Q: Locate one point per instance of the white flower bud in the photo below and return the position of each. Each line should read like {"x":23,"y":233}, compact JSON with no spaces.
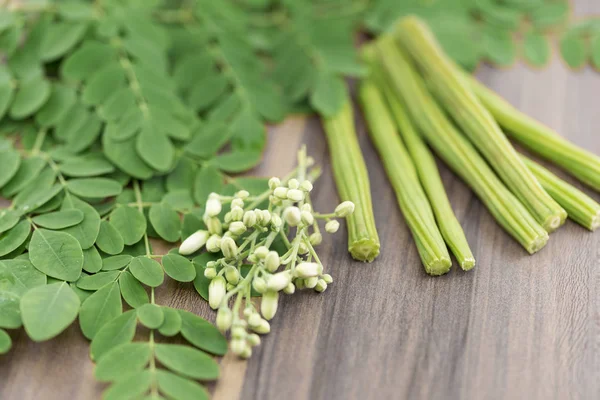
{"x":213,"y":207}
{"x":295,"y":195}
{"x":279,"y":281}
{"x":249,"y":219}
{"x":321,"y":286}
{"x":344,"y":209}
{"x":280,"y":192}
{"x":306,"y":207}
{"x":300,"y":283}
{"x":237,"y":203}
{"x":276,"y":201}
{"x":263,"y":328}
{"x":292,"y":216}
{"x":237,"y":228}
{"x":276,"y":222}
{"x":227,"y":218}
{"x":266,"y":217}
{"x":253,"y":339}
{"x":247,"y":353}
{"x":193,"y":243}
{"x":289,"y":289}
{"x":253,"y":259}
{"x":315,"y":239}
{"x":237,"y":346}
{"x":237,"y":213}
{"x":232,"y":275}
{"x":229,"y":287}
{"x":216,"y":292}
{"x":211,"y":264}
{"x":274,"y":183}
{"x":327,"y":278}
{"x":258,"y":214}
{"x":229,"y":248}
{"x":293,"y":183}
{"x":224,"y":318}
{"x":237,"y":332}
{"x":302,"y":248}
{"x":306,"y":186}
{"x":248,"y":311}
{"x":268,"y":305}
{"x":261,"y":252}
{"x":308,"y":270}
{"x":272,"y":261}
{"x":307,"y":217}
{"x":259,"y":284}
{"x":214,"y":225}
{"x":210,"y":273}
{"x":242,"y":194}
{"x":213,"y":244}
{"x":254,"y":320}
{"x":332,"y":226}
{"x":311,"y":282}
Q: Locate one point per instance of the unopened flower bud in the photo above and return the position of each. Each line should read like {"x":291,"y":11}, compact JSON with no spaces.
{"x":280,"y":192}
{"x":247,"y":353}
{"x":290,"y":289}
{"x":272,"y":261}
{"x":308,"y":270}
{"x":321,"y":286}
{"x":306,"y":207}
{"x":214,"y":225}
{"x":232,"y":275}
{"x":211,"y":264}
{"x":237,"y":213}
{"x":293,"y":183}
{"x":229,"y":248}
{"x":276,"y":222}
{"x":253,"y":259}
{"x":315,"y":239}
{"x":227,"y":217}
{"x":249,"y":219}
{"x":332,"y":226}
{"x":230,"y":287}
{"x":344,"y":209}
{"x":306,"y":186}
{"x":216,"y":292}
{"x":311,"y":282}
{"x":263,"y":328}
{"x":224,"y":318}
{"x":237,"y":346}
{"x":237,"y":203}
{"x":279,"y":281}
{"x":276,"y":201}
{"x":299,"y":283}
{"x":292,"y":216}
{"x":237,"y":332}
{"x":213,"y":207}
{"x":302,"y":248}
{"x":259,"y":284}
{"x":242,"y":194}
{"x":248,"y":311}
{"x":193,"y":243}
{"x":261,"y":252}
{"x":213,"y":244}
{"x":266,"y":217}
{"x":307,"y":217}
{"x":327,"y":278}
{"x":237,"y":228}
{"x":268,"y":305}
{"x":254,"y":320}
{"x":274,"y":183}
{"x":253,"y":339}
{"x":210,"y":273}
{"x":295,"y":195}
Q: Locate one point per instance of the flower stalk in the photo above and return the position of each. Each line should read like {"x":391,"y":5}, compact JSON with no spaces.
{"x":476,"y":121}
{"x":456,"y":150}
{"x":352,"y":182}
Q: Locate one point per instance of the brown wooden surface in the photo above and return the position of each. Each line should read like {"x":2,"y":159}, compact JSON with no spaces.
{"x":516,"y":327}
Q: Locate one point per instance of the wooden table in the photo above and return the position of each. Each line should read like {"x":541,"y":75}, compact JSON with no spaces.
{"x":516,"y":327}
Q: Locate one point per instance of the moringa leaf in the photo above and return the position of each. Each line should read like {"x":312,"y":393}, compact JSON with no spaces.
{"x":8,"y":219}
{"x":202,"y":333}
{"x":59,"y":219}
{"x":97,"y":281}
{"x":122,"y":361}
{"x":14,"y":237}
{"x":57,"y":254}
{"x":116,"y":332}
{"x":147,"y":271}
{"x":18,"y":276}
{"x":180,"y":388}
{"x":116,"y":262}
{"x":134,"y":386}
{"x":109,"y":239}
{"x":151,"y":316}
{"x":92,"y":261}
{"x":165,"y":221}
{"x":87,"y":231}
{"x":172,"y":322}
{"x":5,"y":342}
{"x":10,"y":160}
{"x":179,"y":268}
{"x":10,"y":314}
{"x":132,"y":290}
{"x":99,"y":309}
{"x":187,"y":361}
{"x":32,"y":94}
{"x":130,"y":223}
{"x":94,"y":187}
{"x":573,"y":50}
{"x":208,"y":180}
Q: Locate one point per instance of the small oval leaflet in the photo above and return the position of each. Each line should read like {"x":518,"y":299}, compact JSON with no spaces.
{"x":122,"y":360}
{"x":94,"y":187}
{"x":179,"y":268}
{"x":57,"y":254}
{"x":132,"y":290}
{"x":151,"y":316}
{"x":172,"y":323}
{"x":59,"y":219}
{"x":109,"y":239}
{"x":116,"y":332}
{"x":147,"y":271}
{"x":14,"y":237}
{"x":99,"y":309}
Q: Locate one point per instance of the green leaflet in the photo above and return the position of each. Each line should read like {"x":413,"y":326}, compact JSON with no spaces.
{"x":180,"y":388}
{"x":87,"y":231}
{"x":5,"y":342}
{"x":124,"y":155}
{"x":165,"y":221}
{"x":94,"y":187}
{"x":109,"y":239}
{"x":29,"y":201}
{"x":8,"y":219}
{"x":116,"y":262}
{"x":147,"y":271}
{"x":179,"y":268}
{"x":28,"y":170}
{"x":99,"y":309}
{"x":155,"y":148}
{"x":87,"y":59}
{"x":536,"y":49}
{"x":329,"y":95}
{"x":499,"y":47}
{"x":134,"y":386}
{"x":59,"y":219}
{"x":92,"y":261}
{"x":60,"y":38}
{"x":202,"y":333}
{"x":10,"y":160}
{"x":130,"y":223}
{"x":179,"y":200}
{"x":122,"y":361}
{"x":18,"y":276}
{"x":6,"y":91}
{"x":14,"y":237}
{"x":132,"y":290}
{"x":187,"y":361}
{"x":208,"y":180}
{"x":97,"y":281}
{"x":57,"y":254}
{"x":172,"y":322}
{"x":32,"y":94}
{"x":61,"y":100}
{"x":10,"y":314}
{"x":573,"y":50}
{"x":151,"y":316}
{"x":48,"y":310}
{"x":595,"y":49}
{"x":238,"y":161}
{"x":116,"y":332}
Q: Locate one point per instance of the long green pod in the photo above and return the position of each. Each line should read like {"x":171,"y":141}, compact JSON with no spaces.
{"x":352,"y":182}
{"x":426,"y":168}
{"x":477,"y":123}
{"x":581,"y":208}
{"x":539,"y":138}
{"x":456,"y":150}
{"x":402,"y":174}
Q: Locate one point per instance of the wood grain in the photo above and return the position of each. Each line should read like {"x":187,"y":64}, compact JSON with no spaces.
{"x":516,"y":327}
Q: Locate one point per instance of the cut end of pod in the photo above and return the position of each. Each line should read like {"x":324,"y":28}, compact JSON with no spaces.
{"x":595,"y":224}
{"x":556,"y":221}
{"x":438,"y":267}
{"x":467,"y":264}
{"x":537,"y":244}
{"x":364,"y":250}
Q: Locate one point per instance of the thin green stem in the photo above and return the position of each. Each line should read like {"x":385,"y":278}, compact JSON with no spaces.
{"x":138,"y":197}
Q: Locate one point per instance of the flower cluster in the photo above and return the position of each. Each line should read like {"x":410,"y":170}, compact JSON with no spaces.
{"x":250,"y":266}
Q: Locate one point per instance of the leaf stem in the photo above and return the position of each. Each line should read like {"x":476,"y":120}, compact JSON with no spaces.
{"x":138,"y":197}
